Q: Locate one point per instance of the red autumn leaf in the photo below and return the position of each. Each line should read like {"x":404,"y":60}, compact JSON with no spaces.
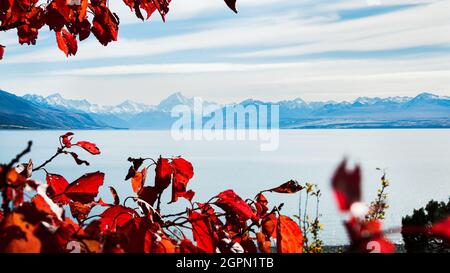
{"x":263,"y":242}
{"x":115,"y":195}
{"x":77,"y":159}
{"x":261,"y":205}
{"x":2,"y":51}
{"x":229,"y":201}
{"x":163,"y":174}
{"x":182,"y":173}
{"x":186,"y":246}
{"x":57,"y":14}
{"x":346,"y":186}
{"x":202,"y":232}
{"x":56,"y":187}
{"x":232,"y":5}
{"x":189,"y":195}
{"x":289,"y":236}
{"x":66,"y":139}
{"x":165,"y":245}
{"x":269,"y":225}
{"x":288,"y":187}
{"x":85,"y":188}
{"x":88,"y":146}
{"x":116,"y":216}
{"x":67,"y":42}
{"x":80,"y":211}
{"x":17,"y":235}
{"x":138,"y":181}
{"x":149,"y":194}
{"x":105,"y":25}
{"x":138,"y":235}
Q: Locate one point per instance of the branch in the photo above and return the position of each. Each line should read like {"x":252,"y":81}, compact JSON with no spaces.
{"x":58,"y":152}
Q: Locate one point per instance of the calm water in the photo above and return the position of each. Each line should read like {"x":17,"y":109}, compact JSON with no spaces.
{"x":417,"y":163}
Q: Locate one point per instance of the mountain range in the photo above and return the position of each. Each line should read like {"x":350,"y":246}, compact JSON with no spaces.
{"x":32,"y":111}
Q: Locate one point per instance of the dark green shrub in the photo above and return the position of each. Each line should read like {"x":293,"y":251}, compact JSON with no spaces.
{"x":416,"y":228}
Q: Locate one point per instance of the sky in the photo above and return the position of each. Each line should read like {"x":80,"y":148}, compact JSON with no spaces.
{"x":271,"y":50}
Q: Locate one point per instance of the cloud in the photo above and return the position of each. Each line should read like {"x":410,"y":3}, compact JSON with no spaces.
{"x":286,"y":35}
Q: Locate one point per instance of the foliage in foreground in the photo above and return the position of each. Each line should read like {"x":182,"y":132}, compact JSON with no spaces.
{"x":73,"y":19}
{"x":32,"y":217}
{"x":435,"y":218}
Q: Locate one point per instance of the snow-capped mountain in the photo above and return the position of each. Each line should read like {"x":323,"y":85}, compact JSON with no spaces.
{"x":422,"y":111}
{"x":57,"y":101}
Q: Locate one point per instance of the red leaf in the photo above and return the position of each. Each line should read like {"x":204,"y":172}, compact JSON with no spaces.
{"x":67,"y":42}
{"x":186,"y":246}
{"x":138,"y":180}
{"x":347,"y":186}
{"x":261,"y":205}
{"x":149,"y":195}
{"x":57,"y":184}
{"x":138,"y":235}
{"x":85,"y":188}
{"x":289,"y":236}
{"x":202,"y":232}
{"x":115,"y":195}
{"x":232,"y":5}
{"x":288,"y":187}
{"x":66,"y":139}
{"x":2,"y":51}
{"x":116,"y":216}
{"x":88,"y":146}
{"x":163,"y":174}
{"x":105,"y":23}
{"x":263,"y":242}
{"x":229,"y":201}
{"x":182,"y":173}
{"x":80,"y":211}
{"x":78,"y":160}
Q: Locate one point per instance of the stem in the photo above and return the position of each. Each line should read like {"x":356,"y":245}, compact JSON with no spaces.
{"x":58,"y":152}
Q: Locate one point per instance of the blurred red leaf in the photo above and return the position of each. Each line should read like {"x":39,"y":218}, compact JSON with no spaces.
{"x":88,"y":146}
{"x":346,"y":186}
{"x":442,"y":229}
{"x":17,"y":235}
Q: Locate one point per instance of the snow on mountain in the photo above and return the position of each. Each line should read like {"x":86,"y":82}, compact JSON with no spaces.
{"x":57,"y":101}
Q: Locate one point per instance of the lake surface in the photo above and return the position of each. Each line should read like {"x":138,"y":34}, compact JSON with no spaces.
{"x":417,"y":164}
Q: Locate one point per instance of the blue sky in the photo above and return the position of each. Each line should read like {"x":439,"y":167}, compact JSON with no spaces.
{"x":272,"y":50}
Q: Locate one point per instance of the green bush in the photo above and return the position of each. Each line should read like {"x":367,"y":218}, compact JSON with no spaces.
{"x":421,"y":220}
